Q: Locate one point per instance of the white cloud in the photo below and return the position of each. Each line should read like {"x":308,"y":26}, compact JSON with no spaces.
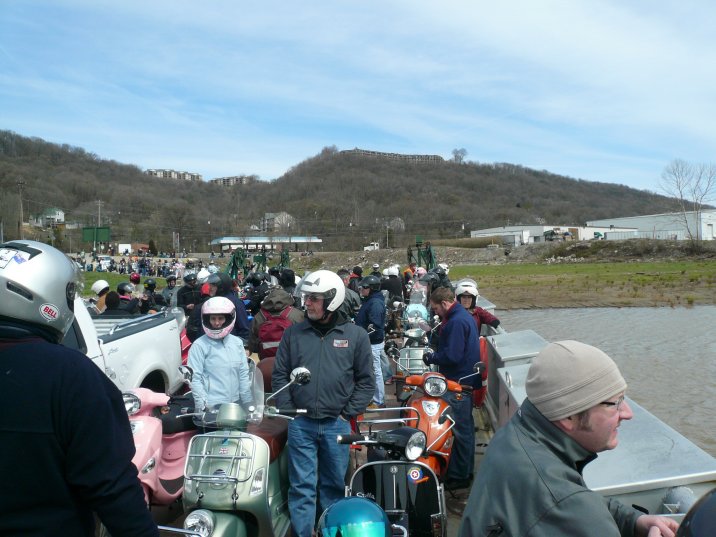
{"x":605,"y":91}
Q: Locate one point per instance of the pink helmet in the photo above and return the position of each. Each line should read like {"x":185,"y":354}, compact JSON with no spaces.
{"x":218,"y":305}
{"x":420,"y":272}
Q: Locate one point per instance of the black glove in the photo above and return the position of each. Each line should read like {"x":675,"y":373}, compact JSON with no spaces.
{"x":495,"y":323}
{"x":427,"y":356}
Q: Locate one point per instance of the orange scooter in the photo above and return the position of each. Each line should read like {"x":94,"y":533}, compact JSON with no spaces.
{"x":422,"y":397}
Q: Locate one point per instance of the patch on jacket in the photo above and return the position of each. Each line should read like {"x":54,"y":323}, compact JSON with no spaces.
{"x":340,"y":343}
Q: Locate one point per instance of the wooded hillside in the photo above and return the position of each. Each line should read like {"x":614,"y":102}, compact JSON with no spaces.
{"x":346,"y":199}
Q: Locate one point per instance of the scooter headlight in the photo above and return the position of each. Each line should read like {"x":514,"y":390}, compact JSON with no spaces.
{"x":200,"y":521}
{"x":415,"y":446}
{"x":435,"y":386}
{"x":132,"y":403}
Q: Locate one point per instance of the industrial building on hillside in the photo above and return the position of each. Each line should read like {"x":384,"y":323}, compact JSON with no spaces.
{"x":674,"y":226}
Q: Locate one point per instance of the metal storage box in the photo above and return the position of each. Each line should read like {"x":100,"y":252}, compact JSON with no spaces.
{"x":508,"y":349}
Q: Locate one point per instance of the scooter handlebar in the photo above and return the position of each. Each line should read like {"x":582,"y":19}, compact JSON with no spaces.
{"x":272,"y":411}
{"x":351,"y":438}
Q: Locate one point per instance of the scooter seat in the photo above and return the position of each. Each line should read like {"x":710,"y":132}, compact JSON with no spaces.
{"x":169,"y":414}
{"x":274,"y":432}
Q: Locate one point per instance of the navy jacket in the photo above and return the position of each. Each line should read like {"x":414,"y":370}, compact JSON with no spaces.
{"x":372,"y":312}
{"x":67,"y":446}
{"x":459,"y":346}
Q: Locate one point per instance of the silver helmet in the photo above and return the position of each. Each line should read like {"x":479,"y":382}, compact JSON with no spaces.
{"x":37,"y":286}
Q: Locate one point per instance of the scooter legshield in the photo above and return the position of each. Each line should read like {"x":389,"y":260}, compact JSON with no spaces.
{"x":408,"y":491}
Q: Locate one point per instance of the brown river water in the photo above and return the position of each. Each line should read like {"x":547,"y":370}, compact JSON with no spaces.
{"x":667,"y":356}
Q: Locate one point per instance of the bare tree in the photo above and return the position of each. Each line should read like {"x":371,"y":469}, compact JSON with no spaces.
{"x":692,"y":186}
{"x":458,"y":155}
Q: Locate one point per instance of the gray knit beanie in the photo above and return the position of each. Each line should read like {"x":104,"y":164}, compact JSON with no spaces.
{"x":567,"y":377}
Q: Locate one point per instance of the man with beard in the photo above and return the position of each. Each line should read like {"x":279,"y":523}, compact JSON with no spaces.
{"x":338,"y":355}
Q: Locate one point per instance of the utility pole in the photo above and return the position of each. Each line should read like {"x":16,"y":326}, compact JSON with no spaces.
{"x":99,"y":219}
{"x":21,"y":185}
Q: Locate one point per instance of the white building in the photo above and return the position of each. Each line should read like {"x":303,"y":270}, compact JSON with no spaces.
{"x":519,"y":235}
{"x":233,"y":180}
{"x":678,"y":226}
{"x":174,"y":174}
{"x":273,"y":222}
{"x":48,"y":218}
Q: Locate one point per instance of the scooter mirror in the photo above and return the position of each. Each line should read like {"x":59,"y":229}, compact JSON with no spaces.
{"x":300,"y":376}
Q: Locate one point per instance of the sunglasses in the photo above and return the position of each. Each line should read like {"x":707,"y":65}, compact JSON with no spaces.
{"x":313,"y":297}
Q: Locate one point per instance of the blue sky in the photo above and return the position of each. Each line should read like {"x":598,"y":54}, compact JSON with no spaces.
{"x":602,"y":90}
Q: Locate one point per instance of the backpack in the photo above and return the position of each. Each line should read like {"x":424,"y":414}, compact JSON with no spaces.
{"x":271,"y":330}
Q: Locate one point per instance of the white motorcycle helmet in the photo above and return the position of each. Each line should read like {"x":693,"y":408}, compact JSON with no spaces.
{"x":218,"y":305}
{"x":38,"y":284}
{"x":467,"y":287}
{"x":100,"y":287}
{"x":325,"y":283}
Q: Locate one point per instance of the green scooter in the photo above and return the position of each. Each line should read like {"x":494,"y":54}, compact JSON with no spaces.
{"x":236,"y":477}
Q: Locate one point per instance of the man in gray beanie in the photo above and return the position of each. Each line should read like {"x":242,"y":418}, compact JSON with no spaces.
{"x":530,"y":481}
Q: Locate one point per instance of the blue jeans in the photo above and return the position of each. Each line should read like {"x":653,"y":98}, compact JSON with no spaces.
{"x":462,"y":458}
{"x":379,"y":395}
{"x":385,"y":365}
{"x":315,"y":462}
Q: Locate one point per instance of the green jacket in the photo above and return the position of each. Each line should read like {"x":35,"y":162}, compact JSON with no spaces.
{"x":530,"y":485}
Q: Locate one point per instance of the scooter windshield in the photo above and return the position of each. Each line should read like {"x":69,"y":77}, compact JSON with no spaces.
{"x":247,"y":413}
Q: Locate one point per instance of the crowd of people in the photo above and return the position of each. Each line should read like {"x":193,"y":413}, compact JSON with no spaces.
{"x":530,"y":482}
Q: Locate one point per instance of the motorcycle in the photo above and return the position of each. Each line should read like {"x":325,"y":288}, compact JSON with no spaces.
{"x":236,"y":476}
{"x":161,"y":439}
{"x":407,"y":489}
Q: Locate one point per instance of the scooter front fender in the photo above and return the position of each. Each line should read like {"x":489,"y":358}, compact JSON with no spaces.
{"x":229,"y":525}
{"x":225,"y":525}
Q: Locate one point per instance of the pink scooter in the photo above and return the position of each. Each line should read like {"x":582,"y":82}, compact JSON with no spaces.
{"x":161,"y":439}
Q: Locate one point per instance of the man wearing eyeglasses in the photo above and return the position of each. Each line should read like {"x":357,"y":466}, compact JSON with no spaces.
{"x":338,"y":355}
{"x":530,"y":482}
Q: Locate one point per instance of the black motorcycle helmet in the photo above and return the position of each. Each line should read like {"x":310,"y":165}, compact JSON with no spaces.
{"x":190,"y":277}
{"x":371,"y":282}
{"x":700,"y":521}
{"x":150,"y":284}
{"x":171,"y":278}
{"x":287,"y":277}
{"x":253,"y":279}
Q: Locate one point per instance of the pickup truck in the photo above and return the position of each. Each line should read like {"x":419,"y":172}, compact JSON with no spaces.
{"x":372,"y":246}
{"x":142,"y":351}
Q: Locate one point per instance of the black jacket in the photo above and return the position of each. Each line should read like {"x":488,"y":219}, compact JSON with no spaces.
{"x":67,"y":446}
{"x":341,"y":366}
{"x":394,"y":287}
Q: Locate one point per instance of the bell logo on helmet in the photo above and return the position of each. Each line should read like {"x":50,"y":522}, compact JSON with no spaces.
{"x":49,"y":312}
